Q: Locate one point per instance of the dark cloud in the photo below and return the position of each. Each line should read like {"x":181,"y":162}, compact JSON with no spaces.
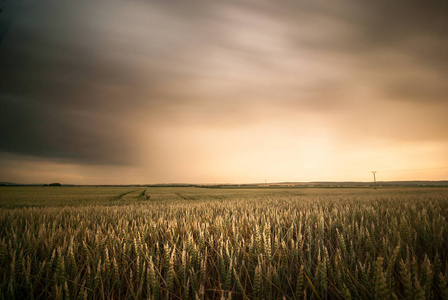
{"x":101,"y":82}
{"x":55,"y":132}
{"x":62,"y":97}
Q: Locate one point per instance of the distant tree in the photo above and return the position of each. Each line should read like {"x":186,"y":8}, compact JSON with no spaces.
{"x":55,"y":184}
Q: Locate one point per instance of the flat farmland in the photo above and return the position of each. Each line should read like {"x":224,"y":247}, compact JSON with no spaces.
{"x":223,"y":243}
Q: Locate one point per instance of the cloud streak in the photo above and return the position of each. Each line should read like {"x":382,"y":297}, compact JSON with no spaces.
{"x":158,"y":85}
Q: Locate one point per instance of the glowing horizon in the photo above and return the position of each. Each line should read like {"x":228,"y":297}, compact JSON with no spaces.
{"x":237,"y":92}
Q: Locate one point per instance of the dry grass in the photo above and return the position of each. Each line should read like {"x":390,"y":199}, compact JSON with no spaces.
{"x":209,"y":244}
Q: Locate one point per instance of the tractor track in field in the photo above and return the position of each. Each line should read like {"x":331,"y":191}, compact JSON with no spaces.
{"x":119,"y":197}
{"x":185,"y":197}
{"x":144,"y":195}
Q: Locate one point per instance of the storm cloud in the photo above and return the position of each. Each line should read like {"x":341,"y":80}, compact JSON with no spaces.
{"x":206,"y":91}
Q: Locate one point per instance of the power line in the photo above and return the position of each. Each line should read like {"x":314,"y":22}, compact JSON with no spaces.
{"x":374,"y":178}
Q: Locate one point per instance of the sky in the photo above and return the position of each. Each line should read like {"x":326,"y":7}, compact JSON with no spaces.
{"x":144,"y":92}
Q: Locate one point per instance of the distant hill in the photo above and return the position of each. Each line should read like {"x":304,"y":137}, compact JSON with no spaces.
{"x":7,"y":183}
{"x":4,"y":183}
{"x":361,"y":183}
{"x":336,"y":184}
{"x":317,"y":184}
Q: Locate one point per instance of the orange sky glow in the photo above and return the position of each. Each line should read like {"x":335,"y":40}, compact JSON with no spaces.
{"x":144,"y":92}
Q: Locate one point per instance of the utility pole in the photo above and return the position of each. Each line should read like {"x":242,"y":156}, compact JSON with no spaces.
{"x":374,"y":179}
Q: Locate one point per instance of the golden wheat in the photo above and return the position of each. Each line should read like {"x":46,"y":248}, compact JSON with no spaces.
{"x":267,"y":246}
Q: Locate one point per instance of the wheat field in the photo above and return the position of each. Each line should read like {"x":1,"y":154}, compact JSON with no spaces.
{"x":187,"y":243}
